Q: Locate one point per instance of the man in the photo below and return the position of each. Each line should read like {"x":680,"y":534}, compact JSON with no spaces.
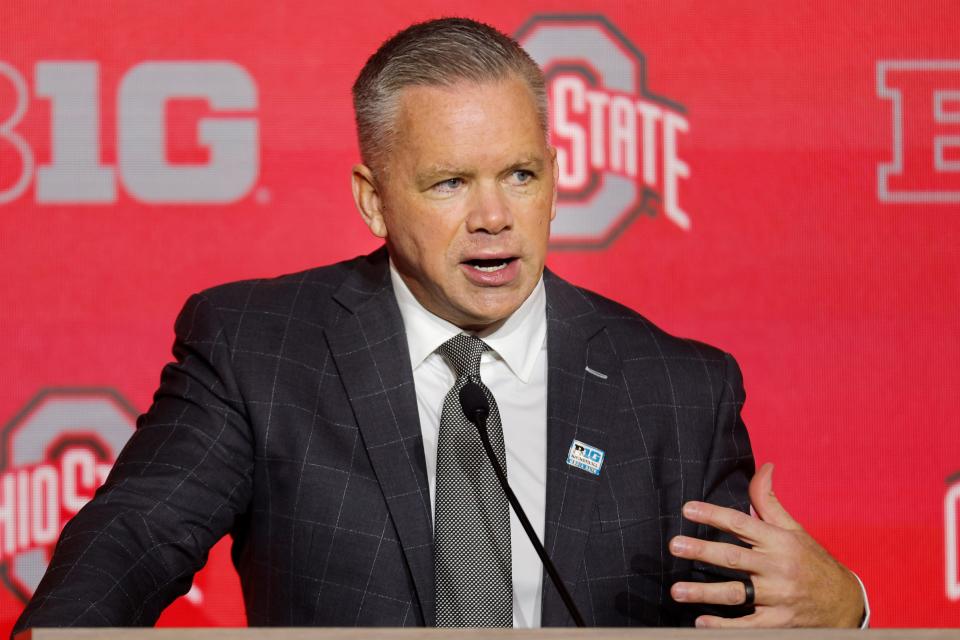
{"x":314,"y":418}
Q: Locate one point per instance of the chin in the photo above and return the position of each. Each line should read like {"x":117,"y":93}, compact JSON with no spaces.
{"x":489,"y":315}
{"x":485,"y":306}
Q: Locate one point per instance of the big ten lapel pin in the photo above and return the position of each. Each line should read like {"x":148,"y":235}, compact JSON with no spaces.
{"x":586,"y":457}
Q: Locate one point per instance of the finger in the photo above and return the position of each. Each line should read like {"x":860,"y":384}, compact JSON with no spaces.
{"x":753,"y":531}
{"x":719,"y":554}
{"x":765,"y":502}
{"x":754,"y":620}
{"x":729,"y":593}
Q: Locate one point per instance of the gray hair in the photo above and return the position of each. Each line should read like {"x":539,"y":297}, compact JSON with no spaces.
{"x":435,"y":53}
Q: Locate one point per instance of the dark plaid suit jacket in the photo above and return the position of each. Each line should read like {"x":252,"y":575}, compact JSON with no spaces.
{"x":289,"y":420}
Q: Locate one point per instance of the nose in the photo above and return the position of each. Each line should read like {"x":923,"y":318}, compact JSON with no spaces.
{"x":489,"y":211}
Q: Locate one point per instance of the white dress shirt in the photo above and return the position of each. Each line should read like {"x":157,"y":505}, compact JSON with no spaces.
{"x":515,"y":371}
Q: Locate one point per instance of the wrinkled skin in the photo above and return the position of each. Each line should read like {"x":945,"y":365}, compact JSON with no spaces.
{"x":470,"y":178}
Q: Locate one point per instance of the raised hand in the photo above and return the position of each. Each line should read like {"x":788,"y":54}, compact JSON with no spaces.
{"x":796,"y":582}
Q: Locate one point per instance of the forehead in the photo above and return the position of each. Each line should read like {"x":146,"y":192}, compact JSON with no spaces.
{"x":467,"y":120}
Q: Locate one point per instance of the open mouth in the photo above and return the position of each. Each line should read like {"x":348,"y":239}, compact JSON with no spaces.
{"x":491,"y":265}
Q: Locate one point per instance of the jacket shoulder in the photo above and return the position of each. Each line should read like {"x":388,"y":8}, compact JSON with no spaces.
{"x":304,"y":296}
{"x":635,"y":336}
{"x":323,"y":281}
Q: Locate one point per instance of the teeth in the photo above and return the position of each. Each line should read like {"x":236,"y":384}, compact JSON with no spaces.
{"x":496,"y":267}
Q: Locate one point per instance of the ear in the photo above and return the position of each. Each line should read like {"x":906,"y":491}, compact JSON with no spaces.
{"x":368,"y":201}
{"x":556,"y":178}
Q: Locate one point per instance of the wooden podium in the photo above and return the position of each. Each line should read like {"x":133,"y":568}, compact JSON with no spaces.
{"x":363,"y":633}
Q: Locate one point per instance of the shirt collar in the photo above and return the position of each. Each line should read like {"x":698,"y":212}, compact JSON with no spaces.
{"x":517,"y":341}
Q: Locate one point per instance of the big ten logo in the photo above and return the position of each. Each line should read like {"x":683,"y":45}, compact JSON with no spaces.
{"x":951,"y":522}
{"x":924,"y":96}
{"x":588,"y":452}
{"x":616,"y":141}
{"x":56,"y":452}
{"x":222,"y":169}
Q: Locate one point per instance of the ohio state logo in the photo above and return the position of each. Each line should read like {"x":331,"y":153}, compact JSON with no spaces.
{"x":951,"y":522}
{"x":55,"y":454}
{"x":616,"y":141}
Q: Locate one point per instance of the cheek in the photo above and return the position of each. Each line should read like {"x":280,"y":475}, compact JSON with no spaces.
{"x":438,"y":245}
{"x":436,"y":233}
{"x":538,"y":216}
{"x":427,"y":241}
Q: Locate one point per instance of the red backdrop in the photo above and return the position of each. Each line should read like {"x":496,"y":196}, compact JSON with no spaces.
{"x":779,"y":179}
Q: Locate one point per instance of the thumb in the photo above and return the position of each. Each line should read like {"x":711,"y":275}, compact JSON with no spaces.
{"x":765,"y":503}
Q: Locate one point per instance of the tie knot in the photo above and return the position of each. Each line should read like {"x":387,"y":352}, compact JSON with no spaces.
{"x":463,"y":352}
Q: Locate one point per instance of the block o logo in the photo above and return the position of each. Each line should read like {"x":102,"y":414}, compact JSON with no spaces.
{"x":616,"y":141}
{"x":56,"y":452}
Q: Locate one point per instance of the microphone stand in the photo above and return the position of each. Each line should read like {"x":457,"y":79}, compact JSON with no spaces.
{"x":479,"y":418}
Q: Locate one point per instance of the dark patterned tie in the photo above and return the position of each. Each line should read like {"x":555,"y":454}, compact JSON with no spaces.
{"x":471,"y":513}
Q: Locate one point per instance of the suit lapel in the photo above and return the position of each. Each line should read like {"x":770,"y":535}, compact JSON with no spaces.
{"x":580,"y":406}
{"x":370,"y":349}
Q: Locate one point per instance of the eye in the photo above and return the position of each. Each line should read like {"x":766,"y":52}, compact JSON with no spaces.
{"x":451,"y":184}
{"x":521,"y":176}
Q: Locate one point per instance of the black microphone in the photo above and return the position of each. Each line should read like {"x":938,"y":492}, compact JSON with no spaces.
{"x":475,"y":406}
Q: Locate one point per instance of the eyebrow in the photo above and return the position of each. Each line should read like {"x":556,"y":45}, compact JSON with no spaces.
{"x":535,"y":163}
{"x":437,"y":171}
{"x":434,"y":172}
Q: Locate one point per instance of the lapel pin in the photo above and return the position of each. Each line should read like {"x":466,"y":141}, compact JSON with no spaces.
{"x":586,"y":457}
{"x":594,"y":372}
